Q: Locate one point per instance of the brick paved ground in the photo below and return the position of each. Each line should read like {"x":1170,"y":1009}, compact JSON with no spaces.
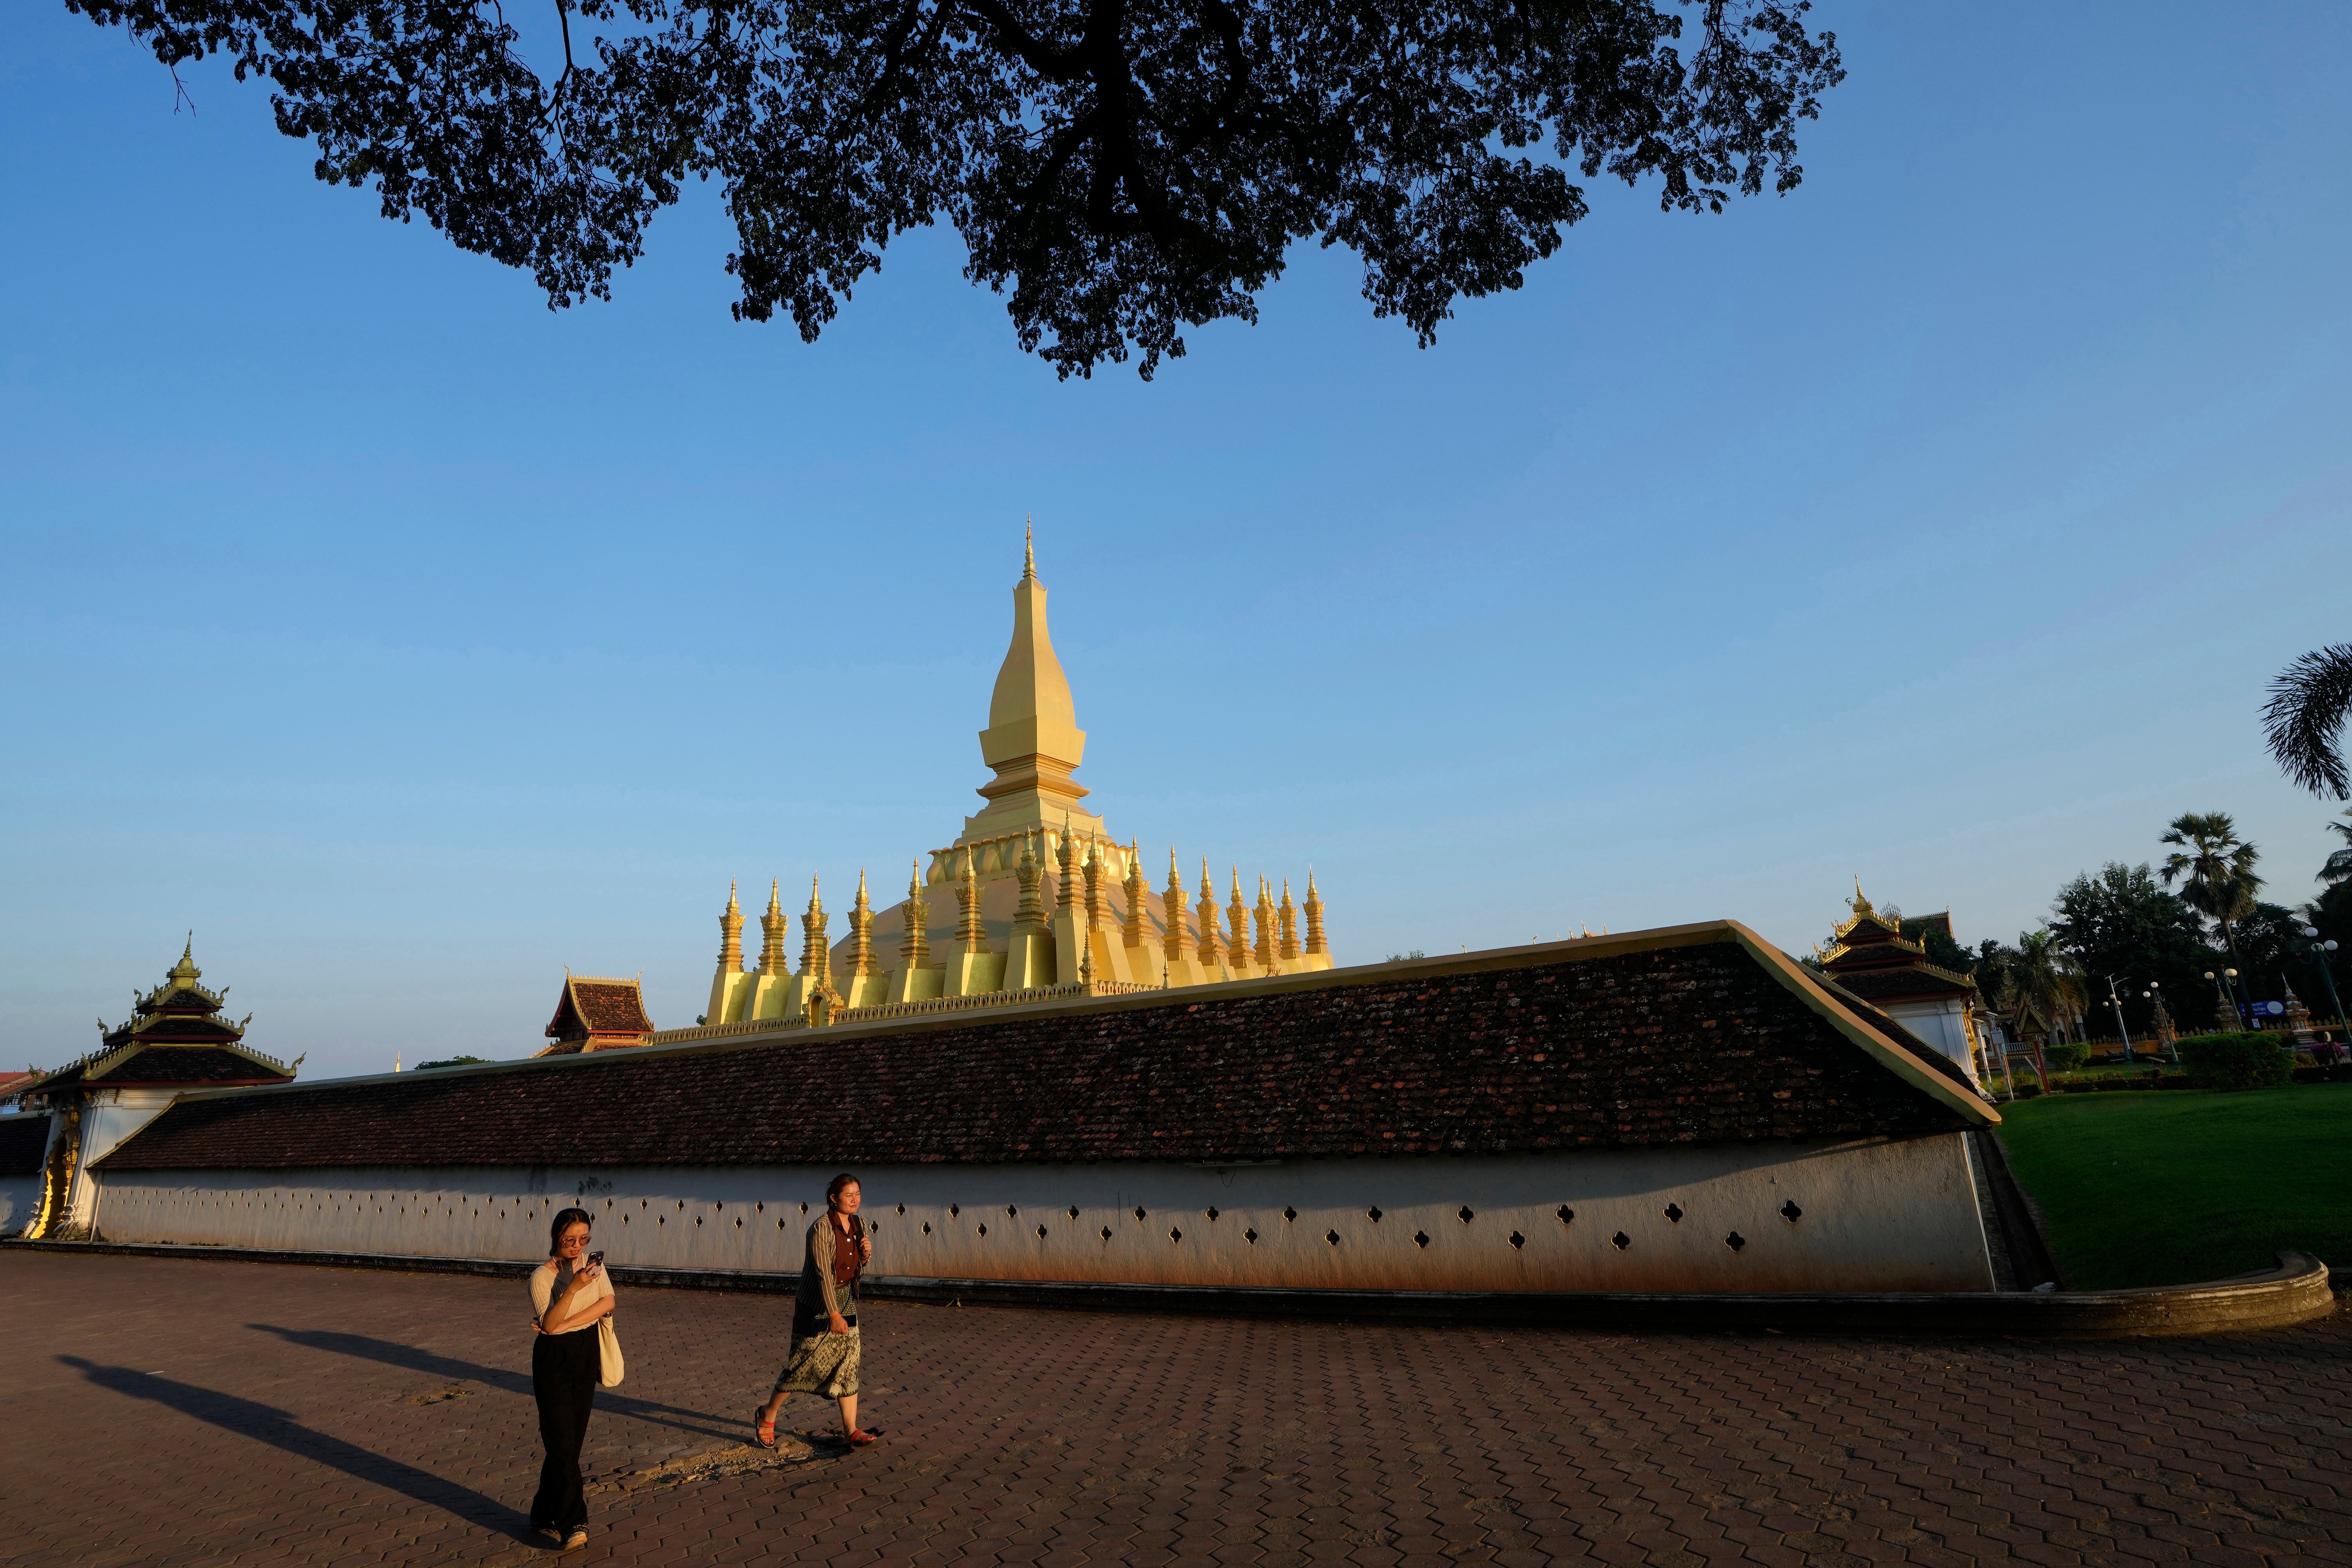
{"x":171,"y":1411}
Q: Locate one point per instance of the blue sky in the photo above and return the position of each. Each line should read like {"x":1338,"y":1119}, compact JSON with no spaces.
{"x":1942,"y":523}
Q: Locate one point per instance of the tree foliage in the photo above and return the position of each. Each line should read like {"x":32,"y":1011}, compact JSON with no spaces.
{"x":2121,"y":924}
{"x":1118,"y":168}
{"x":2215,"y":869}
{"x":2309,"y":702}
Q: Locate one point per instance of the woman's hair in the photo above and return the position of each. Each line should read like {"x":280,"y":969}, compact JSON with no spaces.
{"x":833,"y":1188}
{"x":564,"y":1222}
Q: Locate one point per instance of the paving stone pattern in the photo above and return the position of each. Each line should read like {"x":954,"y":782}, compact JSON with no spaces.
{"x":183,"y":1412}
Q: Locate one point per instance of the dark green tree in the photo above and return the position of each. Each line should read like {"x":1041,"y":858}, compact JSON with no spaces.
{"x":2216,"y":870}
{"x":2309,"y":702}
{"x":450,"y":1062}
{"x":2120,"y":923}
{"x":1118,"y":168}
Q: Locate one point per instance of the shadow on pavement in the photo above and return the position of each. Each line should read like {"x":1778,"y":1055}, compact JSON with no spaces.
{"x":267,"y":1424}
{"x":393,"y":1353}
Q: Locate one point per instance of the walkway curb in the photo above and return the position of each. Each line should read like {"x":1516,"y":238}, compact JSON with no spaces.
{"x":2296,"y":1291}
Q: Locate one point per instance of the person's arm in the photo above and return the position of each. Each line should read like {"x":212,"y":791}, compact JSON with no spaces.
{"x":561,"y":1316}
{"x":821,"y":1259}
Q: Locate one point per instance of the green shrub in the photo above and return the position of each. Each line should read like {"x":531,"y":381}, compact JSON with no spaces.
{"x":2240,"y":1062}
{"x":2067,"y":1054}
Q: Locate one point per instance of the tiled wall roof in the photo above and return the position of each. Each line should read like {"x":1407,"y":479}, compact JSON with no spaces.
{"x":1701,"y":1040}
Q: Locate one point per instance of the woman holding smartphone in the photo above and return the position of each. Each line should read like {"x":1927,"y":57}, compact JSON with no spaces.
{"x":568,"y":1294}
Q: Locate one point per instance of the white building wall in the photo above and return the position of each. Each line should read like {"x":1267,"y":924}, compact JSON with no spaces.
{"x":1868,"y":1216}
{"x":108,"y":1117}
{"x":1943,"y":1025}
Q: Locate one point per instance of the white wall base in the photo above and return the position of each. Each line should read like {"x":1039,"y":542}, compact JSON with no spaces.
{"x":1871,"y":1216}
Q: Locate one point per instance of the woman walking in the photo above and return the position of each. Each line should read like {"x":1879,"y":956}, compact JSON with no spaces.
{"x":567,"y":1295}
{"x":824,"y":1358}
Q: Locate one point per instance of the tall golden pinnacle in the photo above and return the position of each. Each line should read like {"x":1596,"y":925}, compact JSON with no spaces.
{"x":1066,"y":886}
{"x":1179,"y":940}
{"x":731,"y":934}
{"x":1237,"y":923}
{"x":772,"y":926}
{"x":917,"y":949}
{"x":816,"y":956}
{"x":861,"y":932}
{"x":1264,"y":952}
{"x":1288,"y":948}
{"x":1139,"y":913}
{"x":1031,"y":915}
{"x":971,"y":930}
{"x":1032,"y":740}
{"x":1211,"y":949}
{"x":1095,"y":872}
{"x":1314,"y":906}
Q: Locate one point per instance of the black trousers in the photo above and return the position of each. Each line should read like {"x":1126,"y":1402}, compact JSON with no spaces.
{"x":563,"y":1368}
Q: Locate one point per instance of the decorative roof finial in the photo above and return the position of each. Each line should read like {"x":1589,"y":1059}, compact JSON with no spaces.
{"x":1029,"y":548}
{"x":1861,"y":904}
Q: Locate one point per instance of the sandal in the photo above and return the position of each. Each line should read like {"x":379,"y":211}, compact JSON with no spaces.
{"x":860,"y":1438}
{"x":550,"y":1531}
{"x":763,"y":1427}
{"x":579,"y":1537}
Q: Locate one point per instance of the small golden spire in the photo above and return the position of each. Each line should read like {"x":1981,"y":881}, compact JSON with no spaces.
{"x":1094,"y":869}
{"x":1179,"y":940}
{"x":1029,"y":550}
{"x":1031,"y":915}
{"x":1211,"y":949}
{"x":1288,"y":950}
{"x":1237,"y":924}
{"x":861,"y":932}
{"x":731,"y":935}
{"x":1265,"y":949}
{"x":970,"y":929}
{"x":1138,"y":901}
{"x":816,"y":958}
{"x":917,"y":949}
{"x":772,"y":926}
{"x":1065,"y":854}
{"x":1314,"y":909}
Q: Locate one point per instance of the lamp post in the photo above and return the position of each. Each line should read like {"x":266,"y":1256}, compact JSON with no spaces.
{"x":2121,"y":1028}
{"x":2221,"y":993}
{"x":2319,"y":952}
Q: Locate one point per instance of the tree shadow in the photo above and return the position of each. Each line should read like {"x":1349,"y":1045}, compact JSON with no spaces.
{"x":415,"y":1359}
{"x":267,"y":1424}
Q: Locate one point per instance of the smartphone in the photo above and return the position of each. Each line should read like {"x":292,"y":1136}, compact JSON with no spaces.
{"x":595,"y":1260}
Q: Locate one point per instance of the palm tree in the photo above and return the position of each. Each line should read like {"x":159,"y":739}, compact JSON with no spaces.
{"x":2338,"y":866}
{"x":2218,"y":866}
{"x":2309,"y":702}
{"x":2042,"y":980}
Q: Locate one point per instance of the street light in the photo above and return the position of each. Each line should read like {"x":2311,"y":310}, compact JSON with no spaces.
{"x":2319,"y":952}
{"x":2120,"y":1028}
{"x":2153,"y":997}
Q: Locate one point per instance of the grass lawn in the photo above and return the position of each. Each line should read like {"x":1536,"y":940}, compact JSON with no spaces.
{"x":2184,"y":1185}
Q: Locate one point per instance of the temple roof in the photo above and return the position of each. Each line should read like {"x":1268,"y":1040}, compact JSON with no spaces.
{"x":1697,"y":1034}
{"x":174,"y":1037}
{"x":595,"y":1013}
{"x":1870,"y":956}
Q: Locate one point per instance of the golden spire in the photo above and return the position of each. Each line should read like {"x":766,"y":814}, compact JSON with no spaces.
{"x":1264,"y":952}
{"x":1179,"y":940}
{"x":1237,"y":923}
{"x":731,"y":935}
{"x":1065,"y":886}
{"x":1029,"y":548}
{"x":772,"y":926}
{"x":970,"y":929}
{"x":1211,"y":949}
{"x":861,"y":932}
{"x":1860,"y":905}
{"x":816,"y":958}
{"x":917,"y":949}
{"x":1137,"y":908}
{"x":1288,"y":948}
{"x":1094,"y":883}
{"x":1031,"y":915}
{"x":1314,"y":906}
{"x":1032,"y":740}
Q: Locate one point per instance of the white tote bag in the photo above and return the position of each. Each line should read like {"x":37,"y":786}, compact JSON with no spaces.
{"x":608,"y":1349}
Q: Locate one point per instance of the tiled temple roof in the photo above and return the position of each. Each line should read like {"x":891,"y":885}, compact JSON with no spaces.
{"x":592,"y":1013}
{"x":1691,"y":1035}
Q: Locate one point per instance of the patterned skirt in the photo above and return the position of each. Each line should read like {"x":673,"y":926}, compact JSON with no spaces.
{"x":824,"y":1364}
